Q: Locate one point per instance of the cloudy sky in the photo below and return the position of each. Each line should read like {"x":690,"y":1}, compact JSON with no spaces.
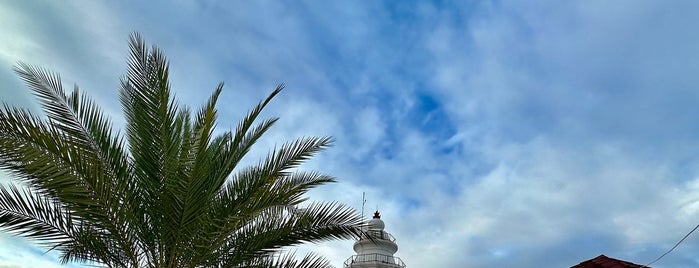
{"x":488,"y":133}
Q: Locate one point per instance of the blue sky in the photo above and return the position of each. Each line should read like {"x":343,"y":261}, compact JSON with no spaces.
{"x":489,"y":133}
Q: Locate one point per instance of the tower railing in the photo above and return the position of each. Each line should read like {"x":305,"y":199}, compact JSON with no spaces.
{"x":374,"y":257}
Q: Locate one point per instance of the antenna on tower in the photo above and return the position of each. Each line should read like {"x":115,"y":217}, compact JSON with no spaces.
{"x":363,"y":203}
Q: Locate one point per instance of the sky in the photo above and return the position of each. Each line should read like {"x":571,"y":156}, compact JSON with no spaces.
{"x":488,"y":133}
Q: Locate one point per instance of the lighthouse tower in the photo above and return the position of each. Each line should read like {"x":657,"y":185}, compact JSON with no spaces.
{"x":375,"y":249}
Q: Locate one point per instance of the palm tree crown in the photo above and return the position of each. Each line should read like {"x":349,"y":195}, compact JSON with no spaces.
{"x":167,"y":192}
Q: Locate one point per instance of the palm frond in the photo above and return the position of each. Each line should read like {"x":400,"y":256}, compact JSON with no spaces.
{"x":149,"y":112}
{"x":94,"y":245}
{"x":251,"y":189}
{"x":289,"y":260}
{"x":34,"y":216}
{"x":284,"y":226}
{"x":291,"y":155}
{"x":230,"y":148}
{"x":154,"y":140}
{"x":41,"y":156}
{"x":77,"y":117}
{"x":292,"y":187}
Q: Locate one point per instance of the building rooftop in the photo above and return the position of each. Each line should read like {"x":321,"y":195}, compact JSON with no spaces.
{"x":602,"y":261}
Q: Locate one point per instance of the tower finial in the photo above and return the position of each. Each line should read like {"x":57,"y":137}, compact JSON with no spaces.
{"x":377,"y":215}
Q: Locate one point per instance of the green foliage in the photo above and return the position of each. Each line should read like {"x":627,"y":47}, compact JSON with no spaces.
{"x":166,"y":193}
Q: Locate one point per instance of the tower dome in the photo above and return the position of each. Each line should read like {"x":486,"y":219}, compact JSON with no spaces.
{"x":376,"y":224}
{"x":375,"y":248}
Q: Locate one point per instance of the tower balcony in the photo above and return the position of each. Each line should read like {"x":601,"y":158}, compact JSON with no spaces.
{"x":374,"y":259}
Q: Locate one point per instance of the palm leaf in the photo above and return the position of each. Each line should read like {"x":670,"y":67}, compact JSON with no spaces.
{"x":34,"y":216}
{"x":289,"y":260}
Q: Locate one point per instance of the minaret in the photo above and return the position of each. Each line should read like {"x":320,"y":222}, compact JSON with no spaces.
{"x":375,"y":249}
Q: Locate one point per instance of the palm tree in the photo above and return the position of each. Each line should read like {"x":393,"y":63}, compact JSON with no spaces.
{"x":166,"y":193}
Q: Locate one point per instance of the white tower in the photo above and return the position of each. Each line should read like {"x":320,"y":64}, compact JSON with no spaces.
{"x":375,"y":249}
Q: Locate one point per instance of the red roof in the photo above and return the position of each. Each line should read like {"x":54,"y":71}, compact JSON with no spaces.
{"x":606,"y":262}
